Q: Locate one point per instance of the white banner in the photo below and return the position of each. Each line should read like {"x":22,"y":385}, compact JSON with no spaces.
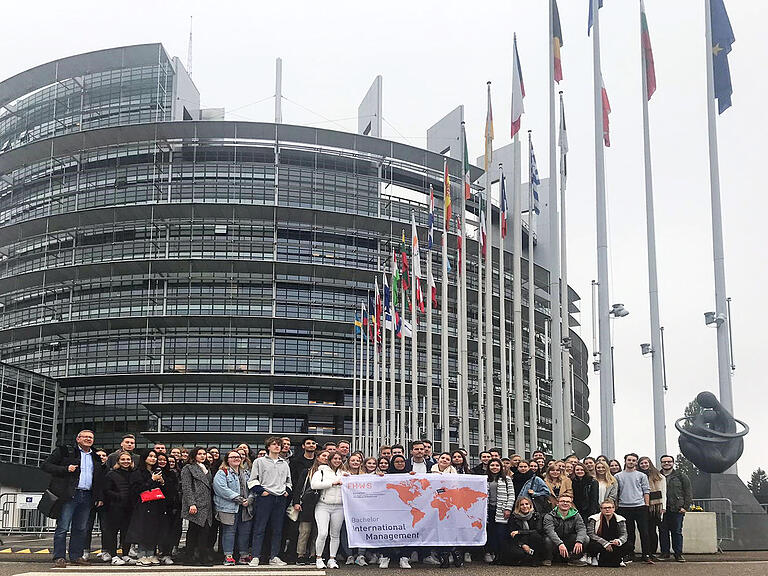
{"x":26,"y":501}
{"x":415,"y":510}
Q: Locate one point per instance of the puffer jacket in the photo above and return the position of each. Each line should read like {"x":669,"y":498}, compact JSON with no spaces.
{"x":556,"y":528}
{"x":117,"y":490}
{"x":323,"y":480}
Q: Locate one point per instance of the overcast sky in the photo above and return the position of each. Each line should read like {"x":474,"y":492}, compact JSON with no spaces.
{"x":434,"y":56}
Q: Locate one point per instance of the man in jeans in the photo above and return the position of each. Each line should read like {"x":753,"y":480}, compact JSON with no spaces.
{"x":77,"y":479}
{"x":679,"y":499}
{"x":270,"y":482}
{"x":634,"y":495}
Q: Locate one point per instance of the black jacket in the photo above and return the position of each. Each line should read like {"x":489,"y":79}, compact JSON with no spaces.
{"x":586,"y":493}
{"x":64,"y":483}
{"x":117,"y":490}
{"x":148,"y":518}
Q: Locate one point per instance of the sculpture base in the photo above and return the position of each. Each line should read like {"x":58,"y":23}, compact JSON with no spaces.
{"x":750,"y":521}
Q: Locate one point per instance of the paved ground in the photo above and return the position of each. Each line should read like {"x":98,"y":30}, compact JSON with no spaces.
{"x":709,"y":568}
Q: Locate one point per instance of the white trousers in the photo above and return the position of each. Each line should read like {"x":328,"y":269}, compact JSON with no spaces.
{"x":329,"y":518}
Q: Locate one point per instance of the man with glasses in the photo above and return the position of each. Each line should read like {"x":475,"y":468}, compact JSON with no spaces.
{"x":679,"y":499}
{"x":607,"y":533}
{"x":77,"y":479}
{"x":565,"y":535}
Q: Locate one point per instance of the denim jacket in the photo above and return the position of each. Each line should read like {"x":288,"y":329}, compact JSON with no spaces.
{"x":226,"y":491}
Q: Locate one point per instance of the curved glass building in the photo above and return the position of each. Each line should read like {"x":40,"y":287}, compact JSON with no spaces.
{"x":196,"y":280}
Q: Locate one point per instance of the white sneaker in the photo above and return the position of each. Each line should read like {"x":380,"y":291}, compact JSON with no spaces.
{"x":350,"y":560}
{"x":133,"y":552}
{"x":145,"y":562}
{"x":332,"y":563}
{"x":129,"y":561}
{"x":319,"y":564}
{"x":117,"y":561}
{"x":414,"y":556}
{"x":467,"y":558}
{"x":167,"y":560}
{"x":277,"y":562}
{"x":431,"y":560}
{"x":623,"y":564}
{"x":488,"y":557}
{"x":154,"y":560}
{"x":594,"y":561}
{"x":86,"y":554}
{"x":360,"y":560}
{"x":405,"y":563}
{"x":384,"y":562}
{"x":254,"y":562}
{"x":105,"y":556}
{"x":373,"y":558}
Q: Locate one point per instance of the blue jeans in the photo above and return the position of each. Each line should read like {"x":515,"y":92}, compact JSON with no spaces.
{"x":240,"y":529}
{"x":671,"y":525}
{"x":73,"y":519}
{"x":268,"y":510}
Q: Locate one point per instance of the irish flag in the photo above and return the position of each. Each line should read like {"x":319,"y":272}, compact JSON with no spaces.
{"x":650,"y":68}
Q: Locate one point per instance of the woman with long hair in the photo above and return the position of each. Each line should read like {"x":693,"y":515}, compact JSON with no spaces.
{"x":607,"y":484}
{"x":383,"y":466}
{"x":501,"y":500}
{"x":306,"y":498}
{"x":171,"y":533}
{"x":397,"y":465}
{"x":197,"y":507}
{"x":534,"y":488}
{"x":533,"y":465}
{"x":370,"y":466}
{"x":353,"y":465}
{"x":558,"y":483}
{"x":148,"y":517}
{"x":443,"y":464}
{"x":526,"y":543}
{"x":233,"y":505}
{"x":586,"y":492}
{"x":118,"y":507}
{"x":614,"y":466}
{"x":459,"y":461}
{"x":329,"y":513}
{"x":589,"y":465}
{"x":657,"y":500}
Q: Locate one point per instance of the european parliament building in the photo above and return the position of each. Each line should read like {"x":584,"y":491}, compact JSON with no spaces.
{"x":195,"y":280}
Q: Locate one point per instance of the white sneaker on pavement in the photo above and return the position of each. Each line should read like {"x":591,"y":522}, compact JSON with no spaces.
{"x":319,"y":564}
{"x":431,"y":560}
{"x":360,"y":560}
{"x":332,"y":563}
{"x":105,"y":556}
{"x":276,"y":561}
{"x":405,"y":563}
{"x":467,"y":558}
{"x":384,"y":562}
{"x":117,"y":561}
{"x":254,"y":562}
{"x":167,"y":560}
{"x":488,"y":557}
{"x":350,"y":560}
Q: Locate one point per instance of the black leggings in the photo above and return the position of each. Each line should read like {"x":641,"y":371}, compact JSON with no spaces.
{"x":115,"y":521}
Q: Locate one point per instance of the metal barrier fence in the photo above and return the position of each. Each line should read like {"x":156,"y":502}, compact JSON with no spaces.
{"x":765,"y":507}
{"x":19,"y":515}
{"x":723,"y":509}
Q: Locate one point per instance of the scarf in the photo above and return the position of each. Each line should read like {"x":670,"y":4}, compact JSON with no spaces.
{"x":607,"y":530}
{"x":524,"y":518}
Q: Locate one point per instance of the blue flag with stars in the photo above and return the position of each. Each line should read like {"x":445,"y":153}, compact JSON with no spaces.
{"x":722,"y":39}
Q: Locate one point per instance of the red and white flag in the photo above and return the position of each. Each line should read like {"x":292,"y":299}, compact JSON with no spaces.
{"x":518,"y":90}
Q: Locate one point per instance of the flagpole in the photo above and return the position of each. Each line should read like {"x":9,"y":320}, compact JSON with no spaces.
{"x":383,"y":413}
{"x":367,"y":432}
{"x":533,"y":390}
{"x":393,"y":382}
{"x":659,"y":425}
{"x":517,"y":301}
{"x":360,"y":382}
{"x":428,"y":415}
{"x":564,"y":300}
{"x":607,"y":438}
{"x":718,"y":252}
{"x":503,"y":320}
{"x":463,"y":360}
{"x":414,"y":339}
{"x":488,"y":397}
{"x":480,"y":374}
{"x":403,"y":410}
{"x":558,"y":441}
{"x":445,"y":422}
{"x":375,"y":436}
{"x":354,"y":383}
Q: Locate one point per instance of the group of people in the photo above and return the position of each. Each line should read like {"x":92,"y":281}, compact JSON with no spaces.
{"x":278,"y":506}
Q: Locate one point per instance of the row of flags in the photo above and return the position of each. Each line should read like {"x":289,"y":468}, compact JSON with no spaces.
{"x":722,"y":41}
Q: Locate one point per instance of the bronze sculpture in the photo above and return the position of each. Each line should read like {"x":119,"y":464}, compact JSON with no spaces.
{"x":710,"y":439}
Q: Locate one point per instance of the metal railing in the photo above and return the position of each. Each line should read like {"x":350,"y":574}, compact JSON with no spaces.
{"x":723,"y":509}
{"x":15,"y":518}
{"x":765,"y":507}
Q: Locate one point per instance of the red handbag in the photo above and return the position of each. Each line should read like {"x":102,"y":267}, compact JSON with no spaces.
{"x":152,"y":495}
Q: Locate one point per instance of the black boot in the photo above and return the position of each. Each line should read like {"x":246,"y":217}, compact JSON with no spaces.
{"x":458,"y":559}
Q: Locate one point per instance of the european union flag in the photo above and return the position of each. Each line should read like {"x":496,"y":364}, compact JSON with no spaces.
{"x":722,"y":39}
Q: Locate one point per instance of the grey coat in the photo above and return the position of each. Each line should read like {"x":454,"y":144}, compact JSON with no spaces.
{"x":196,"y":490}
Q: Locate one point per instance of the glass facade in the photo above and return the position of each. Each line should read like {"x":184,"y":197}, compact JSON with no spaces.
{"x":198,"y":281}
{"x":28,"y":404}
